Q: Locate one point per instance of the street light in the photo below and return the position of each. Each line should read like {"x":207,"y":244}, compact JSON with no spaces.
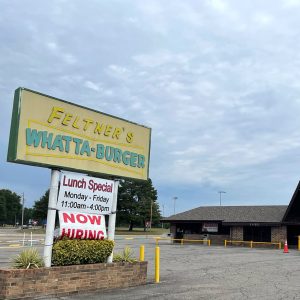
{"x":175,"y":198}
{"x":23,"y":200}
{"x":163,"y":214}
{"x":151,"y":214}
{"x":221,"y":192}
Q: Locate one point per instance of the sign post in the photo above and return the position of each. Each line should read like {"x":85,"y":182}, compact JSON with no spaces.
{"x":51,"y":217}
{"x":112,"y":218}
{"x":53,"y":133}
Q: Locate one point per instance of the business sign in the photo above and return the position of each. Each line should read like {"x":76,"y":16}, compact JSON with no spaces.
{"x":85,"y":194}
{"x":50,"y":132}
{"x":210,"y":227}
{"x":81,"y":226}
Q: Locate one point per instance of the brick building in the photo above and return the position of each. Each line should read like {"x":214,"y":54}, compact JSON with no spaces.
{"x":265,"y":223}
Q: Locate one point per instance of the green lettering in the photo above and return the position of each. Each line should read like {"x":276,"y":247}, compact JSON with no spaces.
{"x":126,"y":159}
{"x":100,"y":151}
{"x":58,"y":143}
{"x":77,"y":142}
{"x":85,"y":148}
{"x":33,"y":137}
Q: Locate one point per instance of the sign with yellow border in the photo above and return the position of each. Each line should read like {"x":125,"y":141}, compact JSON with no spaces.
{"x":54,"y":133}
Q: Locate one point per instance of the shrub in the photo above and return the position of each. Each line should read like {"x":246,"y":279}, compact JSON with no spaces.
{"x":28,"y":259}
{"x":125,"y":256}
{"x":76,"y":252}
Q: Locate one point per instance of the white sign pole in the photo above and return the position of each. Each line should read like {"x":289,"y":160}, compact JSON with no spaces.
{"x":51,"y":217}
{"x":112,"y":219}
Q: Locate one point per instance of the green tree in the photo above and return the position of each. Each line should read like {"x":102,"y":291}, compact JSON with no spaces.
{"x":3,"y":211}
{"x":13,"y":206}
{"x":28,"y":214}
{"x":40,"y":207}
{"x":135,"y":200}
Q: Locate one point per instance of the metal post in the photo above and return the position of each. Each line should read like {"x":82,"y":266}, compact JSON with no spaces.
{"x":51,"y":217}
{"x":163,"y":214}
{"x":112,"y":218}
{"x":221,"y":192}
{"x":157,"y":254}
{"x":23,"y":200}
{"x":151,"y":214}
{"x":175,"y":198}
{"x":142,"y":253}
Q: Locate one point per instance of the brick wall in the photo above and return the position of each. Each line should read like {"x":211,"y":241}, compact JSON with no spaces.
{"x":67,"y":280}
{"x":278,"y":234}
{"x":237,"y":233}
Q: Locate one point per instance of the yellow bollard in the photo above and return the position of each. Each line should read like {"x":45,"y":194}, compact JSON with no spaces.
{"x":142,"y":253}
{"x":299,"y":242}
{"x":251,"y":244}
{"x":279,"y":245}
{"x":156,"y":264}
{"x":225,"y":243}
{"x":209,"y":243}
{"x":181,"y":242}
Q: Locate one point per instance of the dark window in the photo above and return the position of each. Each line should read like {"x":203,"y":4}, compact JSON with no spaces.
{"x":257,"y":233}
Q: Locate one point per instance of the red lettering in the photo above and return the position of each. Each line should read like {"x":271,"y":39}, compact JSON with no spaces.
{"x":100,"y":235}
{"x":92,"y":234}
{"x":81,"y":218}
{"x":95,"y":218}
{"x":68,"y":218}
{"x":79,"y":234}
{"x":64,"y":182}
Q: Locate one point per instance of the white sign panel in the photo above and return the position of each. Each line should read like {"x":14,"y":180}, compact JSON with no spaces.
{"x":82,"y":226}
{"x":210,"y":227}
{"x":85,"y":194}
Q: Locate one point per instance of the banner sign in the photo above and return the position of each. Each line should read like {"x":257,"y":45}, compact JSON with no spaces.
{"x":81,"y":226}
{"x":210,"y":227}
{"x":50,"y":132}
{"x":85,"y":194}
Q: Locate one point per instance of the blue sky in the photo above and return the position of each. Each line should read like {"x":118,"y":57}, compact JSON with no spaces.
{"x":217,"y":81}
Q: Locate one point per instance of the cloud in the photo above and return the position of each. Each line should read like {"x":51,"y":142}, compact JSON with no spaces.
{"x":217,"y":81}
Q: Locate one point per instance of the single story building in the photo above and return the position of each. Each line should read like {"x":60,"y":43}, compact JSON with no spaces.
{"x":263,"y":223}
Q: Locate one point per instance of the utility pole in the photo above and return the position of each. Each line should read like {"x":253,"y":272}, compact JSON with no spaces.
{"x":221,"y":192}
{"x":163,"y":214}
{"x":175,"y":198}
{"x":23,"y":200}
{"x":151,"y":214}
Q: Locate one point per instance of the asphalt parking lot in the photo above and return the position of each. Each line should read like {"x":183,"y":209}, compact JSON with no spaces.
{"x":202,"y":272}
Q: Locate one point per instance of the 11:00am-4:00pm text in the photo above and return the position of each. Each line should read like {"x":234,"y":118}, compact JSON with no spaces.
{"x":74,"y":204}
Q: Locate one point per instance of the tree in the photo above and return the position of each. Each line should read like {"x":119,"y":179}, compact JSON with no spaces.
{"x":12,"y":204}
{"x":3,"y":211}
{"x":135,"y":199}
{"x":40,"y":207}
{"x":28,"y":214}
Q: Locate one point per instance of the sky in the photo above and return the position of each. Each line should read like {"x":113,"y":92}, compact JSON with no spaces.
{"x":217,"y":81}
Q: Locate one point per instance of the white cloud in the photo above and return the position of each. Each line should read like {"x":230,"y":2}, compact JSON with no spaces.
{"x":91,"y":85}
{"x":218,"y":81}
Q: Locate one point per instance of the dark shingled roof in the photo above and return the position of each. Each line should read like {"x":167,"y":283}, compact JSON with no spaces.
{"x":232,"y":214}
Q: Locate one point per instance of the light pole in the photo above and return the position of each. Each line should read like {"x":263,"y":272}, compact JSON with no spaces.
{"x":221,"y":192}
{"x":151,"y":214}
{"x":175,"y":198}
{"x":23,"y":200}
{"x":163,"y":214}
